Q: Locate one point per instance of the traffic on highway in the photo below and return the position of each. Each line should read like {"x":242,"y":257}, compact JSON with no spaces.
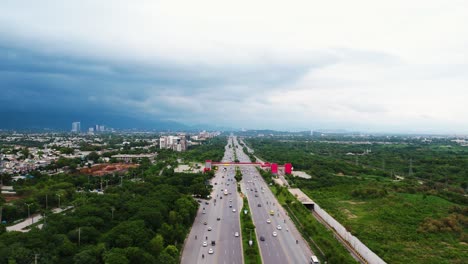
{"x":215,"y":236}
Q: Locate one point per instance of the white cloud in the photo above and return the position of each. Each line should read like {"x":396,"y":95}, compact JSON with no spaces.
{"x":377,"y":65}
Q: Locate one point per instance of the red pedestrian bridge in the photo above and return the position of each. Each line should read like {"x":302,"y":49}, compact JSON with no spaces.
{"x":273,"y":166}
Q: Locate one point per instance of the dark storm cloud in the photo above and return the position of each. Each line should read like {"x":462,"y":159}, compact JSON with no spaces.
{"x":32,"y":80}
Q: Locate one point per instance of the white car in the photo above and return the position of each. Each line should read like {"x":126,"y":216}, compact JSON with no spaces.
{"x":233,"y":210}
{"x":205,"y":244}
{"x":209,"y":228}
{"x":210,"y":251}
{"x":278,"y":227}
{"x":268,"y":221}
{"x":275,"y":234}
{"x":236,"y":234}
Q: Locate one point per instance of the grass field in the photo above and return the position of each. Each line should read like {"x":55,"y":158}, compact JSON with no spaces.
{"x":391,"y":225}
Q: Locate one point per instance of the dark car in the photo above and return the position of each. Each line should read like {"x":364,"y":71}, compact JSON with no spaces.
{"x":262,"y":238}
{"x":207,"y":203}
{"x":213,"y":242}
{"x":218,"y":218}
{"x":220,"y":197}
{"x":259,"y":205}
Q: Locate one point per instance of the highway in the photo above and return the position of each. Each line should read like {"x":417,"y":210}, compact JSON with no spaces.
{"x":282,"y":248}
{"x":227,"y":248}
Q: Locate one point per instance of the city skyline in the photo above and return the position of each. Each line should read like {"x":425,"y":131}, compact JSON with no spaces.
{"x":366,"y":66}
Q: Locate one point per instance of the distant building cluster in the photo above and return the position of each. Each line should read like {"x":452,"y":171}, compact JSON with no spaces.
{"x":97,"y":129}
{"x":76,"y":127}
{"x":205,"y":135}
{"x":176,"y":143}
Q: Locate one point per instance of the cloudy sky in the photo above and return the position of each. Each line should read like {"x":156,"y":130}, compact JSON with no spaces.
{"x":396,"y":66}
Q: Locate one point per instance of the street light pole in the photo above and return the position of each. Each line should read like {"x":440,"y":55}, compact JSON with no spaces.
{"x":58,"y":200}
{"x":112,"y":209}
{"x":29,"y":214}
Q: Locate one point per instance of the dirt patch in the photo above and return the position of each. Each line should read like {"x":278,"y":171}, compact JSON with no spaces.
{"x":348,"y":214}
{"x":340,"y":174}
{"x":103,"y":169}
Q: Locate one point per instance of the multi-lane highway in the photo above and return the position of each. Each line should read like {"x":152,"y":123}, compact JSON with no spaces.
{"x":227,"y":247}
{"x":288,"y":245}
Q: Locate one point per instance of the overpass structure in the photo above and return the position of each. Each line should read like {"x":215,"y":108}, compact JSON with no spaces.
{"x":272,"y":166}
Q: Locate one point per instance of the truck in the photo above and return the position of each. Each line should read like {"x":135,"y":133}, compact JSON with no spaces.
{"x":314,"y":260}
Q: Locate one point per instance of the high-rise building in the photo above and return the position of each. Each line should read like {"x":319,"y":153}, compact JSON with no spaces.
{"x":102,"y":128}
{"x":76,"y":127}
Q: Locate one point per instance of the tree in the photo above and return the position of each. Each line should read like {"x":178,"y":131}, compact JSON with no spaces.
{"x":93,"y":156}
{"x":156,"y":245}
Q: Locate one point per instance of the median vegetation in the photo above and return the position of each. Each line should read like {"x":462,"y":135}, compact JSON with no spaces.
{"x":251,"y":253}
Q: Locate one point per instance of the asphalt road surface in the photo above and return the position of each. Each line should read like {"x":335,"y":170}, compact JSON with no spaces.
{"x":227,"y":248}
{"x":280,"y":249}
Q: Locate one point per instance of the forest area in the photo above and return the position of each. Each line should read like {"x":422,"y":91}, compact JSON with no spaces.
{"x":142,"y":217}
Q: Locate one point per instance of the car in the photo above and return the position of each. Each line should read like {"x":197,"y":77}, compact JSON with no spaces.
{"x":230,"y":200}
{"x":256,"y":195}
{"x":234,"y":210}
{"x":216,"y":183}
{"x":259,"y":205}
{"x":209,"y":228}
{"x":262,"y":238}
{"x":207,"y":203}
{"x":205,"y":244}
{"x":205,"y":223}
{"x":213,"y":242}
{"x":230,"y":206}
{"x":210,"y":251}
{"x":268,"y":221}
{"x":218,"y":218}
{"x":278,"y":227}
{"x":275,"y":234}
{"x":236,"y":234}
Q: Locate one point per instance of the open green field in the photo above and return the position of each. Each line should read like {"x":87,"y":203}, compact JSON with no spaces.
{"x":421,"y":217}
{"x":396,"y":226}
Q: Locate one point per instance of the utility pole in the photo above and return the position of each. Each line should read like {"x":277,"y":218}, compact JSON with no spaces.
{"x":101,"y":184}
{"x":112,"y":209}
{"x":107,"y":183}
{"x":35,"y":258}
{"x":410,"y":171}
{"x":46,"y":201}
{"x":79,"y":236}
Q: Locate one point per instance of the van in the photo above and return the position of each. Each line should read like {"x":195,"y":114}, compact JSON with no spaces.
{"x":314,"y":260}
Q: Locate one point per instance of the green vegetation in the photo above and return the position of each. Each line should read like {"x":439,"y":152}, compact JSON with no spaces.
{"x":251,"y":253}
{"x":144,"y":220}
{"x":420,"y":216}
